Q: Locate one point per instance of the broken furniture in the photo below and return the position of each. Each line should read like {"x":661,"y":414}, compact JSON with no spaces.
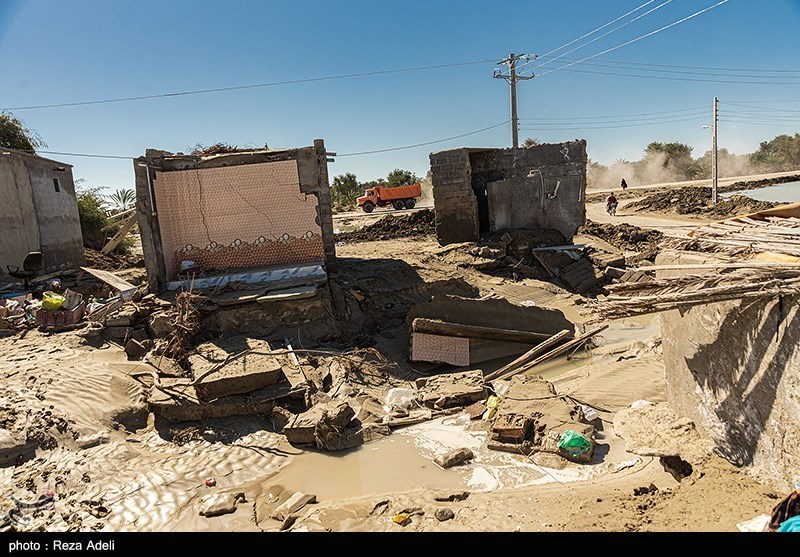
{"x":464,"y":331}
{"x":571,"y":265}
{"x":33,"y":263}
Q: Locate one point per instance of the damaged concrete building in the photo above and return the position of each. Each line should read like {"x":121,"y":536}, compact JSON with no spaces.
{"x":38,"y":213}
{"x":480,"y":191}
{"x":734,"y":366}
{"x":255,"y":217}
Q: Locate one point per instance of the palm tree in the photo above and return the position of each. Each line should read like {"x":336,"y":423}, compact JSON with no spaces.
{"x":123,"y":199}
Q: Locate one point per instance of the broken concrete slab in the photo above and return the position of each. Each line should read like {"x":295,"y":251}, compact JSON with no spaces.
{"x":180,"y":402}
{"x":161,"y":323}
{"x":293,"y":504}
{"x":453,"y":389}
{"x":216,"y":504}
{"x":12,"y":448}
{"x":454,"y":458}
{"x":482,"y":314}
{"x":219,"y":373}
{"x":655,"y":430}
{"x":301,"y":430}
{"x":135,"y":350}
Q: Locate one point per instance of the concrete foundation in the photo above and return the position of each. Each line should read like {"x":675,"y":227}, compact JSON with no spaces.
{"x":734,"y":368}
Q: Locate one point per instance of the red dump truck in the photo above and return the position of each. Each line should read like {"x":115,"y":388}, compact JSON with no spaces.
{"x":399,"y":197}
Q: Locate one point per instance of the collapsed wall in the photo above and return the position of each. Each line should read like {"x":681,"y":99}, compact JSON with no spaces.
{"x":479,"y":191}
{"x":734,"y":368}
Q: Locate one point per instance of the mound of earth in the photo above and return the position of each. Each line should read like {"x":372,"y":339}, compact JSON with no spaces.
{"x":692,"y":200}
{"x":625,"y":237}
{"x":416,"y":224}
{"x":112,"y":261}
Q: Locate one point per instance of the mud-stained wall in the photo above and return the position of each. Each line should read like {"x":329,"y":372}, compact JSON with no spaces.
{"x":455,"y":205}
{"x":35,"y":216}
{"x":237,"y":217}
{"x":734,"y":368}
{"x":478,"y":191}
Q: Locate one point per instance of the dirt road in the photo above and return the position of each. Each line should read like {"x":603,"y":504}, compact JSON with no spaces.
{"x":706,"y":182}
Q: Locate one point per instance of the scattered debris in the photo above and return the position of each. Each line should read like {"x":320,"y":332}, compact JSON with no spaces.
{"x":216,"y":504}
{"x":454,"y":458}
{"x":450,"y":496}
{"x":444,"y":514}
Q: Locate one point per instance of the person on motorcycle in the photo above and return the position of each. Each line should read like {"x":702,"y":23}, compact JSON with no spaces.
{"x":611,"y":204}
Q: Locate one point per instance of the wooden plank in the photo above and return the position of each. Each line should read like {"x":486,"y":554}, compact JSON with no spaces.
{"x":530,"y":354}
{"x":121,"y":233}
{"x":288,"y":294}
{"x":125,"y":288}
{"x":574,"y":343}
{"x":435,"y":327}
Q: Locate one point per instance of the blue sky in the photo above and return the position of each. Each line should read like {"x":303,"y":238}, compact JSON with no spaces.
{"x":54,"y":51}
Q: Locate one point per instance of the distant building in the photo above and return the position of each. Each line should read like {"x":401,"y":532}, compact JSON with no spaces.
{"x":38,"y":212}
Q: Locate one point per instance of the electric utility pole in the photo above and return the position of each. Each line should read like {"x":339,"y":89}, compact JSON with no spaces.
{"x":714,"y":165}
{"x":512,"y":79}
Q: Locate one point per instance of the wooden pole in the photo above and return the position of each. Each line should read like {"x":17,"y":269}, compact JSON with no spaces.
{"x":530,"y":354}
{"x":556,"y":352}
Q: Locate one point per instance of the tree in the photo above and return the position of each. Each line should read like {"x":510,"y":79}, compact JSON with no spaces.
{"x":398,"y":177}
{"x":15,"y":135}
{"x":345,"y":189}
{"x":780,"y":153}
{"x":531,"y":142}
{"x":123,"y":199}
{"x":674,"y":157}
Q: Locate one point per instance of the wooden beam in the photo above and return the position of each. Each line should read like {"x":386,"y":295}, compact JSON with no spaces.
{"x":121,"y":233}
{"x":435,"y":327}
{"x":574,"y":343}
{"x":529,"y":355}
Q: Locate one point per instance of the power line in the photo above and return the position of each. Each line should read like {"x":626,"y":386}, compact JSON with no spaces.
{"x":648,"y":12}
{"x":672,"y":78}
{"x":423,"y":144}
{"x":593,"y":32}
{"x":241,"y":87}
{"x":667,"y":113}
{"x":763,"y":109}
{"x":700,"y":70}
{"x":712,"y":68}
{"x":650,"y":34}
{"x":601,"y":126}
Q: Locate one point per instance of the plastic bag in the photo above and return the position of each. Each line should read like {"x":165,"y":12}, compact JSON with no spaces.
{"x":52,"y":301}
{"x":574,"y":443}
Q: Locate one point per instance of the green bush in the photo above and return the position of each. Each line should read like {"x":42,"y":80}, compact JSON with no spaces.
{"x":92,"y":209}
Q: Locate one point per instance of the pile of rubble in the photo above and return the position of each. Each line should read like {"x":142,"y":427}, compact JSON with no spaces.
{"x":625,"y":237}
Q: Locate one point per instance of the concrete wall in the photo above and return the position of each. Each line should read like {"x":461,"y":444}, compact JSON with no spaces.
{"x":455,"y":203}
{"x":20,"y":232}
{"x":34,"y":216}
{"x":734,"y":368}
{"x":488,"y":190}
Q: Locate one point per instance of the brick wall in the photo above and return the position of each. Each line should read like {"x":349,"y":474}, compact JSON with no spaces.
{"x":455,"y":203}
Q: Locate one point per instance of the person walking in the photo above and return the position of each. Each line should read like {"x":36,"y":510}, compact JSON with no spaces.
{"x":623,"y":184}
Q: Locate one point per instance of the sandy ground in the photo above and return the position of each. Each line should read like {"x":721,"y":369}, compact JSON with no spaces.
{"x":112,"y":468}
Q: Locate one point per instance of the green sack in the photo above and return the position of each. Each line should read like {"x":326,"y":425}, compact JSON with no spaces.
{"x":574,"y":443}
